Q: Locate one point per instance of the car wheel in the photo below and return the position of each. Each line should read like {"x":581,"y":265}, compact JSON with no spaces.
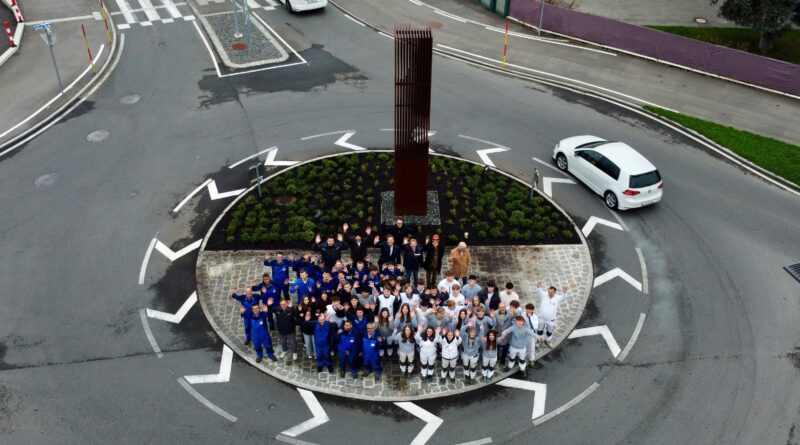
{"x":289,"y":6}
{"x":611,"y":200}
{"x":561,"y":162}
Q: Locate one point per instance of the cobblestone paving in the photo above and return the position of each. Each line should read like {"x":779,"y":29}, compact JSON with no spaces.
{"x":219,"y":271}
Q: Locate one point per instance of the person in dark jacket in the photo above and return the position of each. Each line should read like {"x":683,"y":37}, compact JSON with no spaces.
{"x":330,"y":250}
{"x":286,"y":319}
{"x":490,"y":296}
{"x":390,"y":251}
{"x":358,"y":244}
{"x":412,"y":260}
{"x":400,"y":230}
{"x":434,"y":254}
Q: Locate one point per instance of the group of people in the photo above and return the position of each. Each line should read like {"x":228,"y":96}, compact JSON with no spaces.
{"x":367,"y":315}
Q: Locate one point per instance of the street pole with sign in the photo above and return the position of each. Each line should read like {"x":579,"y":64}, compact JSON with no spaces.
{"x":46,"y":30}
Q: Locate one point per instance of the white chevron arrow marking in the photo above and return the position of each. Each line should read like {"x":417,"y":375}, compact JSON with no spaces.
{"x":342,"y":142}
{"x":316,"y":410}
{"x":271,"y":153}
{"x":484,"y":154}
{"x":593,"y":221}
{"x":617,"y":273}
{"x":432,"y":422}
{"x":547,"y":184}
{"x":171,"y":254}
{"x":598,"y":330}
{"x":213,"y":192}
{"x":177,"y":316}
{"x":224,"y":370}
{"x":539,"y":393}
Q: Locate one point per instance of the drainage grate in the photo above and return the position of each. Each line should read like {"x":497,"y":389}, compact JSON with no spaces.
{"x":794,"y":270}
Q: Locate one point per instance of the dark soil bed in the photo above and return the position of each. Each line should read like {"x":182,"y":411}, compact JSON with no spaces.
{"x":319,"y":196}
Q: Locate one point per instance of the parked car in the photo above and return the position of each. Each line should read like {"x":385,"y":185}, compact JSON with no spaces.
{"x":613,"y":170}
{"x":303,"y":5}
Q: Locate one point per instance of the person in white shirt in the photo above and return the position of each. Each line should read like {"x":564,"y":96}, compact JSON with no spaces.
{"x":386,"y":300}
{"x":532,"y":322}
{"x":508,"y":295}
{"x":456,"y":295}
{"x":408,"y":296}
{"x":448,"y":282}
{"x":548,"y":310}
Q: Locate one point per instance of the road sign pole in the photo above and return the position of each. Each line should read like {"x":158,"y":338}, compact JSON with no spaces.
{"x":49,"y":35}
{"x":541,"y":19}
{"x":236,"y":32}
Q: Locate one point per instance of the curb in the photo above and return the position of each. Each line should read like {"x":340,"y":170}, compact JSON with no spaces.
{"x":17,"y":38}
{"x":250,"y":358}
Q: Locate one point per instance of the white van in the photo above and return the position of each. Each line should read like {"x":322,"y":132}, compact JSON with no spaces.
{"x":303,"y":5}
{"x":614,"y":170}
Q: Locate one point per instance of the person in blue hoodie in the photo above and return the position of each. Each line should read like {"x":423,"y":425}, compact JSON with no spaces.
{"x":280,"y":271}
{"x":248,"y":300}
{"x":371,"y":343}
{"x":348,"y":341}
{"x":324,"y":337}
{"x":303,"y":286}
{"x":260,"y":333}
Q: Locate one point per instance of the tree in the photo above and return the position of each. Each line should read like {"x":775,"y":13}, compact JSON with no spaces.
{"x":771,"y":18}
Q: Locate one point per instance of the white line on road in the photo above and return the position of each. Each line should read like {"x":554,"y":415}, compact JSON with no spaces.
{"x":602,"y":331}
{"x":213,"y":193}
{"x":149,"y":334}
{"x":484,"y":141}
{"x":483,"y":441}
{"x":318,"y":413}
{"x":147,"y":258}
{"x":594,"y":221}
{"x":617,"y":273}
{"x":190,"y":195}
{"x":342,"y":142}
{"x":624,"y":354}
{"x":125,"y":9}
{"x":547,"y":184}
{"x":205,"y":401}
{"x":484,"y":154}
{"x":547,"y":164}
{"x":292,"y":440}
{"x":553,"y":41}
{"x":539,"y":393}
{"x":240,"y":162}
{"x":619,"y":220}
{"x":354,"y":20}
{"x":172,"y":8}
{"x":149,"y":11}
{"x":314,"y":136}
{"x":177,"y":317}
{"x":432,"y":422}
{"x":385,"y":35}
{"x":449,"y":16}
{"x":279,"y":37}
{"x":644,"y":270}
{"x":567,"y":405}
{"x":208,"y":47}
{"x":171,"y":254}
{"x":222,"y":376}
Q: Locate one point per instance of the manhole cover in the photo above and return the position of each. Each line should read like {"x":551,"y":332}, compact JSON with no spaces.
{"x":435,"y":25}
{"x":239,"y":46}
{"x":130,"y":100}
{"x":98,"y":136}
{"x":700,"y":20}
{"x":46,"y":180}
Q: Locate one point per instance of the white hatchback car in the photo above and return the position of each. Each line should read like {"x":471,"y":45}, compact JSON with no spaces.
{"x":303,"y":5}
{"x":614,"y":170}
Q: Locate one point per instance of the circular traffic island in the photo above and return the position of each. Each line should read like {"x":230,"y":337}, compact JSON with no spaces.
{"x":514,"y":235}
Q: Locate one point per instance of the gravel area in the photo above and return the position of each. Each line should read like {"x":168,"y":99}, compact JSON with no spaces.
{"x":432,"y":218}
{"x":262,"y":48}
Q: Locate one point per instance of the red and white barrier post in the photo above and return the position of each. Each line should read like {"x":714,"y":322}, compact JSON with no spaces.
{"x":17,"y":12}
{"x":88,"y":49}
{"x":505,"y":45}
{"x":10,"y":35}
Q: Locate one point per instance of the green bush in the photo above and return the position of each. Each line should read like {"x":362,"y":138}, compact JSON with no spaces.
{"x":567,"y":234}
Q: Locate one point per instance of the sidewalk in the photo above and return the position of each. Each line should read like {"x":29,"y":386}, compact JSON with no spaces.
{"x":651,"y":12}
{"x":468,"y":30}
{"x":30,"y":90}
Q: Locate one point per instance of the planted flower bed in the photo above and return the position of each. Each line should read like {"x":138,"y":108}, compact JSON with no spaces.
{"x":319,"y":196}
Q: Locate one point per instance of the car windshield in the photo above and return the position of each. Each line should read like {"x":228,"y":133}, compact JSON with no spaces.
{"x":645,"y":180}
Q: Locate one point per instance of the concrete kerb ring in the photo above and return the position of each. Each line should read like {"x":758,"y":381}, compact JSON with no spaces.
{"x":250,"y":358}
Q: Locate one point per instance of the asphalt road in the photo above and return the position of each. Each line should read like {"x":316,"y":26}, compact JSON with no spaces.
{"x":716,"y":361}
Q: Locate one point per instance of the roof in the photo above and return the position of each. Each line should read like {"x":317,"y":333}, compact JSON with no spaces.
{"x":626,"y":158}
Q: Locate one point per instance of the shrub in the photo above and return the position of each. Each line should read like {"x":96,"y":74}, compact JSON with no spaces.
{"x":453,"y":238}
{"x":567,"y":234}
{"x":230,"y":238}
{"x":551,"y":231}
{"x":482,"y":233}
{"x":453,"y":203}
{"x":496,"y":232}
{"x":539,"y":235}
{"x":453,"y":211}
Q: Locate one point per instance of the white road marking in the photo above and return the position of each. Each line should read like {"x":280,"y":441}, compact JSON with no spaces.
{"x":123,"y":26}
{"x":292,"y":440}
{"x":190,"y":195}
{"x":208,"y":47}
{"x":205,"y":401}
{"x":483,"y":441}
{"x":430,"y":132}
{"x":547,"y":164}
{"x":253,"y":4}
{"x":342,"y":142}
{"x":644,"y":270}
{"x":539,"y":393}
{"x":213,"y":193}
{"x":567,"y":405}
{"x":188,"y":18}
{"x":415,"y":2}
{"x":617,"y":273}
{"x":96,"y":15}
{"x":278,"y":36}
{"x":171,"y":254}
{"x":494,"y":144}
{"x":177,"y":317}
{"x":271,"y":154}
{"x":593,"y":221}
{"x":125,"y":9}
{"x":172,"y":8}
{"x":449,"y":16}
{"x":386,"y":35}
{"x":484,"y":154}
{"x":224,"y":374}
{"x":149,"y":11}
{"x":619,"y":219}
{"x":147,"y":258}
{"x":432,"y":422}
{"x":354,"y":20}
{"x":318,"y":413}
{"x":149,"y":334}
{"x":273,"y":2}
{"x":624,"y":354}
{"x":553,"y":41}
{"x":547,"y":184}
{"x":598,"y":330}
{"x":314,"y":136}
{"x":242,"y":161}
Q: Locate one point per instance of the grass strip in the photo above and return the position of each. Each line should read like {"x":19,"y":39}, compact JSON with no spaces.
{"x":778,"y":157}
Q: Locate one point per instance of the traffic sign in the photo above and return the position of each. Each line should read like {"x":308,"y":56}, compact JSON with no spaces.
{"x":45,"y":26}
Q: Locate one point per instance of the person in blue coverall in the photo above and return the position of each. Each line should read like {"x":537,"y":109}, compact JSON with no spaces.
{"x":260,"y":333}
{"x":269,"y":297}
{"x":324,"y":337}
{"x":280,"y":271}
{"x":371,"y":344}
{"x":348,"y":341}
{"x":303,"y":286}
{"x":248,"y":301}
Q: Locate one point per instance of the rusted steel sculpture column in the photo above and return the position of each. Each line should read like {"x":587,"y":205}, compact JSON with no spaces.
{"x":413,"y":51}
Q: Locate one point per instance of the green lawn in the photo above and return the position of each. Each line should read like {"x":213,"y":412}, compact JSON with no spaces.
{"x":773,"y":155}
{"x":786,"y":48}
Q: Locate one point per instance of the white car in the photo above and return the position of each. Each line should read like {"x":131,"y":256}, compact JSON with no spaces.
{"x":614,"y":170}
{"x":303,"y":5}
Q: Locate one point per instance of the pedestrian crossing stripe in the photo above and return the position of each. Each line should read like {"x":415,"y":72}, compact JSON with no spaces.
{"x":151,"y":11}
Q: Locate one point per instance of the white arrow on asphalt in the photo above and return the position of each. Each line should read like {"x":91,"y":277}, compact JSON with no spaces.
{"x":271,"y":153}
{"x":617,"y":273}
{"x":547,"y":184}
{"x":484,"y":154}
{"x":598,"y":330}
{"x":224,"y":370}
{"x":432,"y":422}
{"x":213,"y":192}
{"x":171,"y":254}
{"x":593,"y":221}
{"x":316,"y":410}
{"x":539,"y":393}
{"x":342,"y":142}
{"x":177,"y":316}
